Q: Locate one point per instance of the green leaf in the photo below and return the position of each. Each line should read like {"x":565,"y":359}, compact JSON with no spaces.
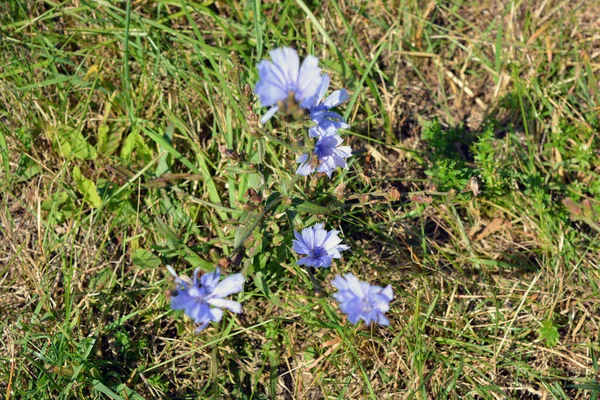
{"x":255,"y":181}
{"x":128,"y":146}
{"x":308,"y":207}
{"x":70,"y":143}
{"x":4,"y":155}
{"x":87,"y":188}
{"x":548,"y":333}
{"x":30,"y":172}
{"x":130,"y":394}
{"x":194,"y":259}
{"x":245,"y":229}
{"x":145,"y":259}
{"x":163,"y":162}
{"x":102,"y":388}
{"x":108,"y":142}
{"x":60,"y":206}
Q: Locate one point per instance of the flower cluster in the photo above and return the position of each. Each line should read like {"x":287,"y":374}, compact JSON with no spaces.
{"x":358,"y":299}
{"x":299,"y":90}
{"x":286,"y":85}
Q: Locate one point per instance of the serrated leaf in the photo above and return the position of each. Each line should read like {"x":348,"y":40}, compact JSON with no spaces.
{"x":548,"y":333}
{"x":145,"y":259}
{"x":87,"y":188}
{"x":108,"y":141}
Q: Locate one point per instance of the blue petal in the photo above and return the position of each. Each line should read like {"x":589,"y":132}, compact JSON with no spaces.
{"x":216,"y":314}
{"x":308,"y":81}
{"x":286,"y":59}
{"x":271,"y":88}
{"x":299,"y":246}
{"x":336,"y":98}
{"x":382,"y":320}
{"x":324,"y":261}
{"x":199,"y":312}
{"x":202,"y":326}
{"x":229,"y":285}
{"x":354,"y":285}
{"x":269,"y":114}
{"x":387,"y":292}
{"x":231,"y":305}
{"x":181,"y":301}
{"x":210,"y":280}
{"x":305,"y":168}
{"x":339,"y":283}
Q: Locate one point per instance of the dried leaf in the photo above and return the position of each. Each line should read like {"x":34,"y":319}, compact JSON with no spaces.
{"x":493,"y":227}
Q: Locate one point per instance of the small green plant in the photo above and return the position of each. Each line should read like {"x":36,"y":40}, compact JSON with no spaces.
{"x":548,"y":333}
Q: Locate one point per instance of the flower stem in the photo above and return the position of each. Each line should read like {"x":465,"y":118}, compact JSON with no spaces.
{"x":317,"y":288}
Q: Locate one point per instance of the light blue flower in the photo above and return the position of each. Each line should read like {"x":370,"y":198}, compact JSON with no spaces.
{"x":196,"y":298}
{"x":282,"y":77}
{"x":320,"y":246}
{"x":360,"y":300}
{"x":319,"y":109}
{"x":327,"y":155}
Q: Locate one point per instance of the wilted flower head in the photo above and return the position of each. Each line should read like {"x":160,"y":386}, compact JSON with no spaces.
{"x":320,"y":246}
{"x":196,"y":298}
{"x":284,"y":77}
{"x":328,"y":155}
{"x":360,"y":300}
{"x":319,"y":109}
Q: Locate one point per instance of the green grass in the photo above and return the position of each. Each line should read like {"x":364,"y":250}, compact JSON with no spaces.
{"x":113,"y":115}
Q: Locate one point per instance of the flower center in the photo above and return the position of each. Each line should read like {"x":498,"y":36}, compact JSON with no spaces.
{"x":318,"y":253}
{"x":325,"y":146}
{"x":368,"y":304}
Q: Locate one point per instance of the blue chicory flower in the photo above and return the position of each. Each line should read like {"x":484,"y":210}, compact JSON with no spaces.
{"x":283,"y":76}
{"x":320,"y":246}
{"x":319,"y":109}
{"x":360,"y":300}
{"x":328,"y":154}
{"x":197,"y":298}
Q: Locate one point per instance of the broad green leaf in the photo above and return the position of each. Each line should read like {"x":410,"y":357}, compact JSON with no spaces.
{"x":308,"y":207}
{"x":70,"y":143}
{"x":108,"y":140}
{"x":255,"y":181}
{"x":194,"y":259}
{"x":145,"y":259}
{"x":60,"y":206}
{"x":128,"y":146}
{"x":245,"y":229}
{"x":87,"y":188}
